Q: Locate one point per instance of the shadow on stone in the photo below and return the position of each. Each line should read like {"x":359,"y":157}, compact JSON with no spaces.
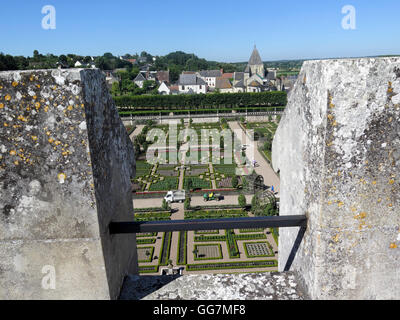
{"x":295,"y":247}
{"x":137,"y":287}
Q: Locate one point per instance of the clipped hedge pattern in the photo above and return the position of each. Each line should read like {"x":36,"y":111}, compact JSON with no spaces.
{"x":232,"y":265}
{"x":200,"y":101}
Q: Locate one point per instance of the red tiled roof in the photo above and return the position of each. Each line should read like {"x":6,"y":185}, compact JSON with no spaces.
{"x":163,"y":76}
{"x":222,"y":83}
{"x":174,"y":88}
{"x":227,"y":75}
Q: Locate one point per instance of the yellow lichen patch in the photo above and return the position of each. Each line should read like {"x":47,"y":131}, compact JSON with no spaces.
{"x":329,"y":202}
{"x":22,"y":118}
{"x":391,"y":181}
{"x":354,"y":209}
{"x":57,"y":142}
{"x":61,"y":177}
{"x":48,"y":133}
{"x":336,"y":238}
{"x":38,"y":85}
{"x":374,"y":182}
{"x":13,"y":152}
{"x":51,"y":140}
{"x":37,"y":105}
{"x":329,"y":144}
{"x":70,"y":108}
{"x":330,"y":116}
{"x":46,"y":108}
{"x":393,"y":246}
{"x":5,"y":124}
{"x":34,"y":97}
{"x":16,"y":162}
{"x":360,"y":216}
{"x":14,"y":83}
{"x":34,"y":138}
{"x":390,"y":205}
{"x":1,"y":105}
{"x":65,"y":153}
{"x":340,"y":203}
{"x":7,"y":97}
{"x":31,"y":78}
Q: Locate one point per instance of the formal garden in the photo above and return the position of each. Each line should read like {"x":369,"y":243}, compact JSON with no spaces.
{"x":263,"y":133}
{"x":209,"y":171}
{"x":244,"y":247}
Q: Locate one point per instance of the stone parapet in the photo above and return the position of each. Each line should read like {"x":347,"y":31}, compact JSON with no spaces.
{"x":65,"y":167}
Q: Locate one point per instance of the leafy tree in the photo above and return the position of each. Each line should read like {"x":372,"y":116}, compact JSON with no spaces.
{"x":186,"y":204}
{"x":189,"y":184}
{"x":115,"y":89}
{"x":165,"y":205}
{"x":267,"y":145}
{"x":242,"y":200}
{"x":235,"y":182}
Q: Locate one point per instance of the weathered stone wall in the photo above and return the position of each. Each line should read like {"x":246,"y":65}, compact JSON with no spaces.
{"x":65,"y":167}
{"x":338,"y":151}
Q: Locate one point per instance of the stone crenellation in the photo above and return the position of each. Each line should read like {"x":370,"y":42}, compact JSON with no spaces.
{"x":65,"y":168}
{"x":338,"y":152}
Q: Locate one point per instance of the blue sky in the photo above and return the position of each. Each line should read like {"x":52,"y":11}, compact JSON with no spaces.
{"x":216,"y":30}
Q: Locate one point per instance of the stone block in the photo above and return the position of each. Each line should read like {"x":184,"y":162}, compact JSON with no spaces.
{"x":337,"y":148}
{"x":65,"y":167}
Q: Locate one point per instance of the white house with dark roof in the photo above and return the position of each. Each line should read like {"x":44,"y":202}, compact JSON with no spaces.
{"x":191,"y":83}
{"x":163,"y":88}
{"x":210,"y":76}
{"x":139,"y":80}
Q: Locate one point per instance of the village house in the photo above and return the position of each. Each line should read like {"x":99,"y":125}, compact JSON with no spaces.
{"x":162,"y":76}
{"x":210,"y":76}
{"x":164,"y":89}
{"x":223,"y":85}
{"x":191,"y":83}
{"x":139,"y":80}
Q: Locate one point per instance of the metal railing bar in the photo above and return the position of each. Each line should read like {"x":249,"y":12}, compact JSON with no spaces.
{"x":207,"y":224}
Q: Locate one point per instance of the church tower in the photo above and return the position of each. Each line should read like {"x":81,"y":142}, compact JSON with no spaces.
{"x":255,"y":65}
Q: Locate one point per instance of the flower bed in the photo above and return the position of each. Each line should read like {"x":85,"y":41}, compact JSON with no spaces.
{"x":146,"y":241}
{"x":197,"y":183}
{"x":212,"y":214}
{"x":169,"y":183}
{"x":258,"y":249}
{"x":153,"y":216}
{"x":182,"y":248}
{"x":165,"y":248}
{"x":148,"y":269}
{"x":142,"y":256}
{"x":232,"y":265}
{"x":232,"y":245}
{"x":210,"y":251}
